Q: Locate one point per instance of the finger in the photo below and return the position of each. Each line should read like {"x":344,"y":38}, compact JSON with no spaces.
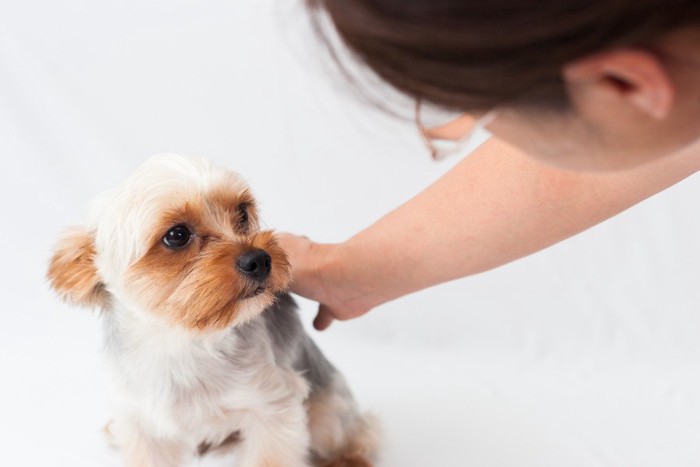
{"x":323,"y":319}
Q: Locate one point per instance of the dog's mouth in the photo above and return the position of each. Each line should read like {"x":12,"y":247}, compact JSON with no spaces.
{"x":255,"y":292}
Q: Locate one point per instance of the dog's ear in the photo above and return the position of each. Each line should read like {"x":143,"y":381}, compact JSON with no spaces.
{"x":72,"y":271}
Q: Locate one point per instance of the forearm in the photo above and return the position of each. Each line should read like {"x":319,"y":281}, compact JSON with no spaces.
{"x":495,"y":206}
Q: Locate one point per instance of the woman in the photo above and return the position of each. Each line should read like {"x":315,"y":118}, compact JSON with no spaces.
{"x":594,"y":106}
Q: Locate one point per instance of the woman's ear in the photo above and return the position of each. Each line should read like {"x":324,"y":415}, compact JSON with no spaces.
{"x":72,"y":271}
{"x":626,"y":77}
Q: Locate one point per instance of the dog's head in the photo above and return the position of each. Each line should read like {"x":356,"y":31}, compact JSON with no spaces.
{"x":179,"y":239}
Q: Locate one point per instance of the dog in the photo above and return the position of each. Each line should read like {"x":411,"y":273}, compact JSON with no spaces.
{"x":203,"y":343}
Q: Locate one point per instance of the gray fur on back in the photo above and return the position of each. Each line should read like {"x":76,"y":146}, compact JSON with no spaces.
{"x":291,"y":345}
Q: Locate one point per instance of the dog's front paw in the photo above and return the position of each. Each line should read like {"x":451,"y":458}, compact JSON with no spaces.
{"x":109,"y":436}
{"x":349,"y":461}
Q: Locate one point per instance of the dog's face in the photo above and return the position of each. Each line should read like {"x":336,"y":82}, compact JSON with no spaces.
{"x":179,"y":239}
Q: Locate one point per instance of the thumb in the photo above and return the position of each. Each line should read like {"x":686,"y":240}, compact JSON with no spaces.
{"x":324,"y":318}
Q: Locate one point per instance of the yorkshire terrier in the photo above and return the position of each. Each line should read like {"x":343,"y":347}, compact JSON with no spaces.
{"x":203,"y":342}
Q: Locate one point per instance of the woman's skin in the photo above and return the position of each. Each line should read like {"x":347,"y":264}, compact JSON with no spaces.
{"x":633,"y":128}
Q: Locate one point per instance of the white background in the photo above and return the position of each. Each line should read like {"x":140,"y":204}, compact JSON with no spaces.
{"x":586,"y":354}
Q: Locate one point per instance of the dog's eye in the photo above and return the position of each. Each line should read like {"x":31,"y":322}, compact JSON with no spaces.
{"x":243,"y":215}
{"x":177,"y":237}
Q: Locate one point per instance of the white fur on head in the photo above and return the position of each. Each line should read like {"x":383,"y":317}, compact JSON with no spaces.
{"x":124,"y":217}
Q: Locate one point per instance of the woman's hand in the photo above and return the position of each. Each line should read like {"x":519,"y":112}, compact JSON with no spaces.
{"x":316,"y":274}
{"x":491,"y":208}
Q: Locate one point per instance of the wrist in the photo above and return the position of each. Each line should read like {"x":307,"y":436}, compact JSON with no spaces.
{"x":339,"y":269}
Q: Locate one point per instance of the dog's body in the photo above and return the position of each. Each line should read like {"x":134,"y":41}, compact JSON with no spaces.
{"x":208,"y":390}
{"x":204,"y":345}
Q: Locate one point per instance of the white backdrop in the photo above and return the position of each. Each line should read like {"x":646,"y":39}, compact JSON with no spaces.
{"x":586,"y":354}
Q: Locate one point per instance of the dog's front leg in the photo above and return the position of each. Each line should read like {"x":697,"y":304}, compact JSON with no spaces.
{"x":278,"y":438}
{"x":140,"y":449}
{"x":143,"y":451}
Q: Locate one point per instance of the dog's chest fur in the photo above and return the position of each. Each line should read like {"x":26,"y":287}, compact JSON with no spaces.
{"x":196,"y":388}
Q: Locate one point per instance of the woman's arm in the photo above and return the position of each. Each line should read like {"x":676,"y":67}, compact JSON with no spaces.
{"x":495,"y":206}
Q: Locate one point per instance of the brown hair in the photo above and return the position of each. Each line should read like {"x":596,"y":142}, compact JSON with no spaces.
{"x":475,"y":55}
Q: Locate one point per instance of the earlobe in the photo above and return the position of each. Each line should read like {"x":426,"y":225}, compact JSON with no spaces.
{"x":72,"y":271}
{"x":630,"y":75}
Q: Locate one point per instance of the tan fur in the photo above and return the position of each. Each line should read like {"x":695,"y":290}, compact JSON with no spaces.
{"x":198,"y":286}
{"x":339,"y":441}
{"x":231,"y":202}
{"x":72,"y":272}
{"x":352,"y":461}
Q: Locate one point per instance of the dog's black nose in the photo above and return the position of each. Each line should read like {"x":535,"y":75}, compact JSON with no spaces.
{"x":255,"y":264}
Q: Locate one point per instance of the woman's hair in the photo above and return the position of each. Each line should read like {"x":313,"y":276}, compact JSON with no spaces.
{"x":475,"y":55}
